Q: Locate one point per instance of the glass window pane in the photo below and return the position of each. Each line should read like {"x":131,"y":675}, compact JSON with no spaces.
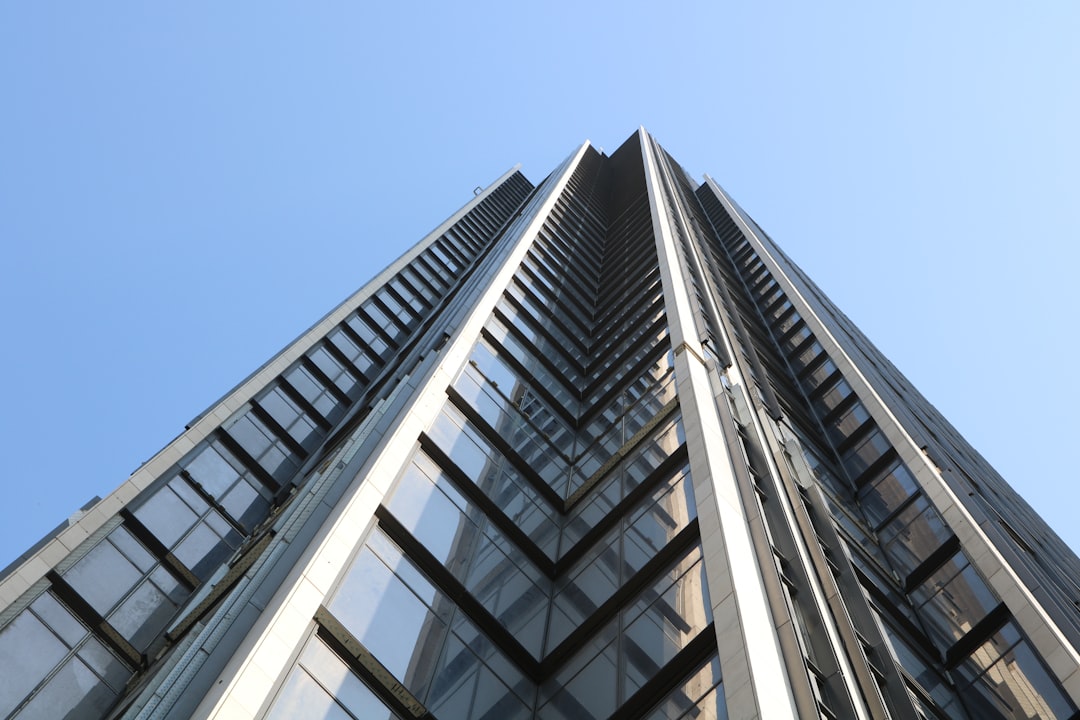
{"x":251,"y":435}
{"x":833,"y":396}
{"x":495,"y":475}
{"x":675,"y":612}
{"x":464,"y":687}
{"x":304,"y":383}
{"x":188,"y":494}
{"x":203,"y":549}
{"x":132,"y":549}
{"x":913,"y":535}
{"x":386,"y":616}
{"x":166,"y":515}
{"x":213,"y":472}
{"x":1014,"y":683}
{"x":918,"y":668}
{"x":430,"y":515}
{"x":103,"y":576}
{"x":28,"y":651}
{"x":698,"y":697}
{"x":656,"y":625}
{"x":820,"y":373}
{"x":865,"y":453}
{"x":849,"y":421}
{"x":302,"y":697}
{"x":332,"y":672}
{"x":953,"y":600}
{"x":103,"y":662}
{"x":489,"y":565}
{"x":590,"y":694}
{"x":880,"y":498}
{"x":75,"y":691}
{"x":59,"y":619}
{"x":245,"y":505}
{"x":144,"y":613}
{"x":342,"y":342}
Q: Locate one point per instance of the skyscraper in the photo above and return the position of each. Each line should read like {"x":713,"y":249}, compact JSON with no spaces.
{"x":593,"y":448}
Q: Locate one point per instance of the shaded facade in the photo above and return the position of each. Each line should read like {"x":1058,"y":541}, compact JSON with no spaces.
{"x":594,"y":448}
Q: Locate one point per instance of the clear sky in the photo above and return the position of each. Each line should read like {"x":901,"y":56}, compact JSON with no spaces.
{"x":186,"y":187}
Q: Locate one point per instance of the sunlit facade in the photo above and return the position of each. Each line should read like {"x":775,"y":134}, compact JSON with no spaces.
{"x":593,"y":448}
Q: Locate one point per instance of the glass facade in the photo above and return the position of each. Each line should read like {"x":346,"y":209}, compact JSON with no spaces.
{"x":462,"y":498}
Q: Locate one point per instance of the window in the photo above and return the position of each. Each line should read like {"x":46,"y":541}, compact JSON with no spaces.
{"x":1009,"y":681}
{"x":125,"y":584}
{"x":186,"y":524}
{"x":321,"y":685}
{"x":473,"y":550}
{"x":417,"y":634}
{"x":633,"y":647}
{"x":953,"y":600}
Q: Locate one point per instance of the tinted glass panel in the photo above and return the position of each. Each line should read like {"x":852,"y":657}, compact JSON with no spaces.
{"x":699,"y":697}
{"x":881,"y":497}
{"x":28,"y":651}
{"x":75,"y":691}
{"x":953,"y":600}
{"x":913,"y":535}
{"x":320,"y":674}
{"x":103,"y":576}
{"x":473,"y":550}
{"x":1009,"y":681}
{"x":213,"y":472}
{"x":166,"y":515}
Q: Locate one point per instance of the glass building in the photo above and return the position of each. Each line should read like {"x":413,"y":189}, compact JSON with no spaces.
{"x":594,"y":448}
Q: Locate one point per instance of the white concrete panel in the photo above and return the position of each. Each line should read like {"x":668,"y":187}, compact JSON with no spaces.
{"x":749,"y":645}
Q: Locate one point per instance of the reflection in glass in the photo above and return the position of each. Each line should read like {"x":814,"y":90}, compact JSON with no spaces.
{"x":630,"y":650}
{"x":953,"y":600}
{"x":493,"y":570}
{"x":520,"y":421}
{"x":74,"y":691}
{"x":921,"y":671}
{"x":497,"y":477}
{"x":27,"y":652}
{"x":323,"y":687}
{"x":405,"y":622}
{"x":186,"y":524}
{"x":1010,"y":682}
{"x":273,"y":455}
{"x":386,"y":615}
{"x":225,"y":479}
{"x":145,"y":611}
{"x":699,"y":697}
{"x":638,"y":464}
{"x":167,"y":515}
{"x":881,"y":497}
{"x":89,"y":677}
{"x":913,"y":535}
{"x":620,"y":554}
{"x":103,"y":576}
{"x":865,"y":453}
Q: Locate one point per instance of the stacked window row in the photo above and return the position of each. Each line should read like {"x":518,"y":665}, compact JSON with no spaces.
{"x":728,"y":258}
{"x":1054,"y":567}
{"x":458,"y":660}
{"x":1052,"y":564}
{"x":900,"y":532}
{"x":494,"y":586}
{"x":108,"y":605}
{"x":681,"y":204}
{"x":444,"y":664}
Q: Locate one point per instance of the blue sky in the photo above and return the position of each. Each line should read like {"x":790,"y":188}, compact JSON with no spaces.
{"x":185,"y":187}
